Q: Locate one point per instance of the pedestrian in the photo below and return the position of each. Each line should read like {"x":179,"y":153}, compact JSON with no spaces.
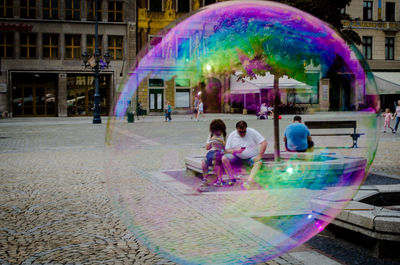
{"x":388,"y":116}
{"x":200,"y":110}
{"x":167,"y":110}
{"x":397,"y":115}
{"x":244,"y":146}
{"x":263,"y":113}
{"x":215,"y":145}
{"x":297,"y":137}
{"x":195,"y":107}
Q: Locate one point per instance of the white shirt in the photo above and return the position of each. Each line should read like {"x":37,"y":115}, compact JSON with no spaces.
{"x":397,"y":111}
{"x":251,"y":141}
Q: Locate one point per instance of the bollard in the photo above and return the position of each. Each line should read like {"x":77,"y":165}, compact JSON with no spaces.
{"x":131,"y":118}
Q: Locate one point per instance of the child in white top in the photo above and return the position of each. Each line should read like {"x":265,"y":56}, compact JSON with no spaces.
{"x":388,"y":116}
{"x":215,"y":145}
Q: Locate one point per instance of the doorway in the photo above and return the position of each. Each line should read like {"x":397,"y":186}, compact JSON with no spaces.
{"x":34,"y":94}
{"x":156,"y":100}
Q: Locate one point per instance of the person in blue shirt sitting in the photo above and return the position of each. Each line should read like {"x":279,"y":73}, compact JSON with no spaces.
{"x":297,"y":137}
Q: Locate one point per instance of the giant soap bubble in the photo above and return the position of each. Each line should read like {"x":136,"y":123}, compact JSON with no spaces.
{"x":236,"y":55}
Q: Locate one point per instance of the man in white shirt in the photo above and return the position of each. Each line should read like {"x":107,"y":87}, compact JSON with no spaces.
{"x":244,"y":145}
{"x":397,"y":115}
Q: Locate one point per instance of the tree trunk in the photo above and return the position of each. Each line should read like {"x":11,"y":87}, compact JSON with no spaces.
{"x":276,"y":119}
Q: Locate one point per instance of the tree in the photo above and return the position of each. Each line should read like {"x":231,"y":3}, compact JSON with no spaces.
{"x":328,"y":11}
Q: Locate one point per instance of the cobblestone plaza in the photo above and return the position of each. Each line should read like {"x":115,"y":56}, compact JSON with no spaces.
{"x":56,"y":202}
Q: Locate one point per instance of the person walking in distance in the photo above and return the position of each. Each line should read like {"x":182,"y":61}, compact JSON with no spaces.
{"x":397,"y":116}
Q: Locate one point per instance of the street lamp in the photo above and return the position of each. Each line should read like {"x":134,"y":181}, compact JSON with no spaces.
{"x":94,"y":63}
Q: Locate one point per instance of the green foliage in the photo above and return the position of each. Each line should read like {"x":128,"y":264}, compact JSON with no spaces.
{"x":328,"y":11}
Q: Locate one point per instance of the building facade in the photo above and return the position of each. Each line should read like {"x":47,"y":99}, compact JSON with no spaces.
{"x":153,"y":17}
{"x":41,"y":46}
{"x":378,"y":24}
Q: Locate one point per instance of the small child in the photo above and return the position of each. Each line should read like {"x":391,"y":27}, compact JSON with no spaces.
{"x":216,"y":145}
{"x":388,"y":116}
{"x":167,"y":110}
{"x":200,"y":110}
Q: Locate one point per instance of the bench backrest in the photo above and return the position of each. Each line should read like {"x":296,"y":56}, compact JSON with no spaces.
{"x":330,"y":124}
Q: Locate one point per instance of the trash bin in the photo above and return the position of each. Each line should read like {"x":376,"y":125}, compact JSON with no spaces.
{"x":130,"y":117}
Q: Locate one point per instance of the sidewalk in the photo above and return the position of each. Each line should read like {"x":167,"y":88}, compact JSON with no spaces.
{"x":57,"y":206}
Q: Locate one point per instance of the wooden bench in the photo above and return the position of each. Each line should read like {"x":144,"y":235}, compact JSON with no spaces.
{"x":335,"y":125}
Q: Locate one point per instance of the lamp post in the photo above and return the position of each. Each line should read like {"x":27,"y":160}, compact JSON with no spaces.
{"x":94,"y":63}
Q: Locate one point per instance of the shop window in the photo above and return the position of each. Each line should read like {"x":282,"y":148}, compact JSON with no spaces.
{"x":115,"y":47}
{"x":115,"y":11}
{"x":6,"y":9}
{"x":182,"y":94}
{"x":367,"y":47}
{"x":390,"y":11}
{"x":73,"y":9}
{"x":91,"y":44}
{"x":27,"y":9}
{"x":7,"y":44}
{"x":50,"y":46}
{"x":50,"y":9}
{"x":28,"y":45}
{"x":72,"y":46}
{"x":389,"y":48}
{"x":80,"y":94}
{"x":367,"y":10}
{"x":91,"y":7}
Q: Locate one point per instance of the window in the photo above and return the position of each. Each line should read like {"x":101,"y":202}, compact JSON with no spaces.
{"x":28,"y":9}
{"x":115,"y":11}
{"x":50,"y":9}
{"x":209,"y":2}
{"x":72,"y":46}
{"x":7,"y":44}
{"x":91,"y":7}
{"x":182,"y":95}
{"x":367,"y":47}
{"x":6,"y":8}
{"x":155,"y":5}
{"x":91,"y":44}
{"x":390,"y":9}
{"x":115,"y":47}
{"x":50,"y":46}
{"x":155,"y":46}
{"x":183,"y":6}
{"x":28,"y":45}
{"x":183,"y":48}
{"x":389,"y":48}
{"x":367,"y":12}
{"x":72,"y":9}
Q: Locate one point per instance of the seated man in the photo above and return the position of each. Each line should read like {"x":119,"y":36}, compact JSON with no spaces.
{"x":297,"y":137}
{"x":263,"y":113}
{"x":244,"y":145}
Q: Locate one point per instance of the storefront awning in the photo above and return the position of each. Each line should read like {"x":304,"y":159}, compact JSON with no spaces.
{"x":262,"y":82}
{"x":387,"y":82}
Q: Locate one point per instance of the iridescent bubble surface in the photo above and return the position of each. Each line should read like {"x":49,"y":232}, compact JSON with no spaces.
{"x":217,"y":52}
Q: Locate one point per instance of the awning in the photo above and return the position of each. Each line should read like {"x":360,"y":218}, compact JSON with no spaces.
{"x":262,"y":82}
{"x":387,"y":82}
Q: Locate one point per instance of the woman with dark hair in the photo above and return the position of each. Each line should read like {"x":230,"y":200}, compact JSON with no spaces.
{"x":216,"y":145}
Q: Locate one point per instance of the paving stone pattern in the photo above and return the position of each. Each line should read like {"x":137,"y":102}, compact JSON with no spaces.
{"x":57,"y":201}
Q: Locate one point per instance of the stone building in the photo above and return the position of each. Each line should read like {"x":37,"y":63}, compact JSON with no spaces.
{"x":41,"y":43}
{"x":378,"y":24}
{"x":153,"y":17}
